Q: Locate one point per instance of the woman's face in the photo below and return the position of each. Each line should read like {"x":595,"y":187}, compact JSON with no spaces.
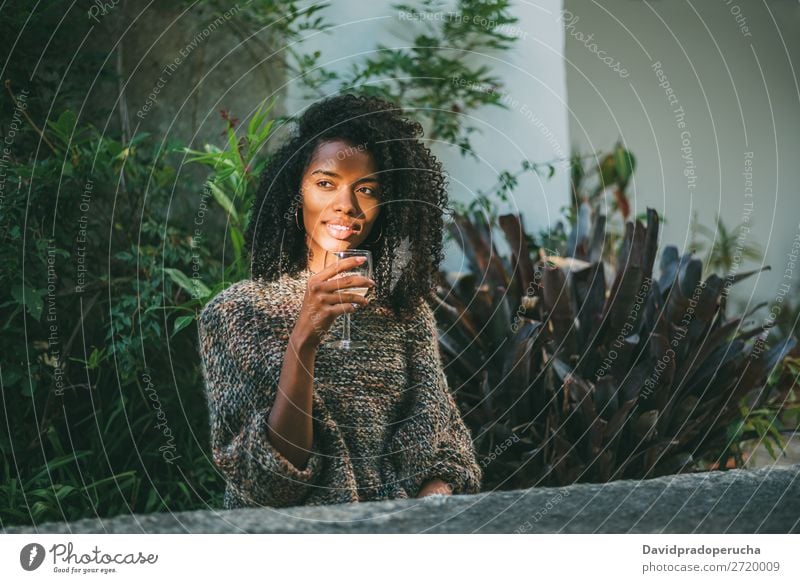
{"x":340,"y":198}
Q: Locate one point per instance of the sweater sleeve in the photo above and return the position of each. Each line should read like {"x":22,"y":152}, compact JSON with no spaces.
{"x":241,"y":365}
{"x":432,"y":440}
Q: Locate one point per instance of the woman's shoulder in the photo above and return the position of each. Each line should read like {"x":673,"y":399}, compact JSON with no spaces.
{"x":231,"y":298}
{"x":418,"y":323}
{"x":421,"y":316}
{"x":245,"y":299}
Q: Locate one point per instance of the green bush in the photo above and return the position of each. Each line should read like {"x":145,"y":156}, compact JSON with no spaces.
{"x":103,"y":400}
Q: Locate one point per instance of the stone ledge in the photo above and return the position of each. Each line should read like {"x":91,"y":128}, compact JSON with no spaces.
{"x":766,"y":500}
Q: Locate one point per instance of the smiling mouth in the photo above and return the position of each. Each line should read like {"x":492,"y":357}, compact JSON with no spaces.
{"x":340,"y":231}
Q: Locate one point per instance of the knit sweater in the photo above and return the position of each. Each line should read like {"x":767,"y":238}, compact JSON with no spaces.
{"x":384,"y":420}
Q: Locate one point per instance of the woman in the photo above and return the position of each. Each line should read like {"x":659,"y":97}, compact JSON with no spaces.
{"x":294,"y":422}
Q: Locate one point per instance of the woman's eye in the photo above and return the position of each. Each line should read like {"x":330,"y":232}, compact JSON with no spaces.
{"x":322,"y":183}
{"x":368,"y":191}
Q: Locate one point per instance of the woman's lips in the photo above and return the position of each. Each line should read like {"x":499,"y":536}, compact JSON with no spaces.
{"x":339,"y":232}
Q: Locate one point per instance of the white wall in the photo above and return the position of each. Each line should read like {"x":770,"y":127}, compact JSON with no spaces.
{"x":739,"y":90}
{"x":534,"y":126}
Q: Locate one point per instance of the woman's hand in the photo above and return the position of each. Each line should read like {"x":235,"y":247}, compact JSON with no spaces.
{"x":435,"y":486}
{"x":323,"y":300}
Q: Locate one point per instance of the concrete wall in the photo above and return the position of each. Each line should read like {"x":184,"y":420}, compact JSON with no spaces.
{"x":731,"y":67}
{"x":736,"y":501}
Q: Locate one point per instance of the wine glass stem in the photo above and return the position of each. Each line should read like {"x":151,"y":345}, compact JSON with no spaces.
{"x":346,"y":332}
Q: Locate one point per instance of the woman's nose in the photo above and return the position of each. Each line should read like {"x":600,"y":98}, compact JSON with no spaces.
{"x":346,"y":201}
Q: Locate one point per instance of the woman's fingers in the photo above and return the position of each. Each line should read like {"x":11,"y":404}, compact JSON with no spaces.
{"x":339,"y":309}
{"x":328,"y":296}
{"x":340,"y":298}
{"x":339,"y":266}
{"x":333,"y":285}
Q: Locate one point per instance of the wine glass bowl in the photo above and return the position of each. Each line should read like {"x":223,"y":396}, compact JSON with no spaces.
{"x":365,"y":270}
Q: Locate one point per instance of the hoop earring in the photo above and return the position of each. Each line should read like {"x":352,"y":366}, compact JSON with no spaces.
{"x":378,"y":237}
{"x":295,"y":219}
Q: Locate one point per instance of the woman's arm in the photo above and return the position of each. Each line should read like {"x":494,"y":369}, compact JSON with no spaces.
{"x":290,"y":427}
{"x":241,"y":357}
{"x":432,"y":447}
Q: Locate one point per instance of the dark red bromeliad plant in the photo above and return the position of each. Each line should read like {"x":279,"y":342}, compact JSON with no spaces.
{"x":565,"y":374}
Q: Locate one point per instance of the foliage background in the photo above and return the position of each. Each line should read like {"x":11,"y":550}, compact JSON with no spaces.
{"x":102,"y":392}
{"x":104,"y":408}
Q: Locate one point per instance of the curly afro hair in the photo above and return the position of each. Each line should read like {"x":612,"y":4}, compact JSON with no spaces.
{"x":413,"y":198}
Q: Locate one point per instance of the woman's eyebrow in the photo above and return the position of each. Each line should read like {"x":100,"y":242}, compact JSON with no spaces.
{"x":326,"y":173}
{"x":335,"y":175}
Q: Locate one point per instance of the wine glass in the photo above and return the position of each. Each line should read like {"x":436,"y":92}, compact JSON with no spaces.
{"x":365,"y":269}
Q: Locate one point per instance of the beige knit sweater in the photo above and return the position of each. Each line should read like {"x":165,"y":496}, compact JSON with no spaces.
{"x":384,"y":419}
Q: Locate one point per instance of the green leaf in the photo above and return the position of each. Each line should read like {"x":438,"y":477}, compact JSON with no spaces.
{"x":64,"y":125}
{"x":223,"y":201}
{"x":259,"y":116}
{"x":138,"y":138}
{"x":10,"y":377}
{"x":181,"y":322}
{"x":27,"y":389}
{"x":54,"y":464}
{"x":63,"y":491}
{"x":194,"y":287}
{"x":625,"y":163}
{"x":265,"y":131}
{"x":233,"y":142}
{"x":237,"y":238}
{"x":30,"y":298}
{"x":96,"y":357}
{"x":118,"y":477}
{"x":224,"y":174}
